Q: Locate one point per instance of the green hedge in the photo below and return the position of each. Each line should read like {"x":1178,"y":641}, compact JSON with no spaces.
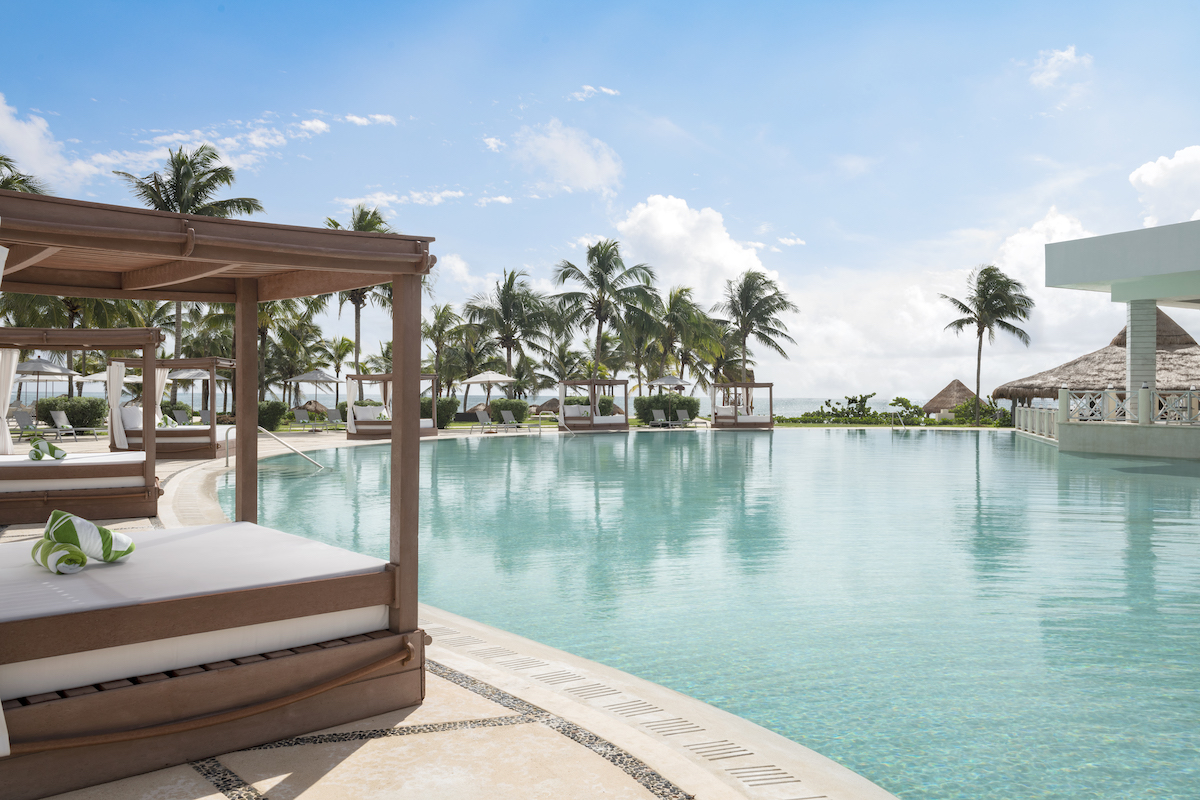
{"x":669,"y":403}
{"x":447,"y":408}
{"x":519,"y":408}
{"x":341,"y":407}
{"x":270,"y":413}
{"x":82,"y":412}
{"x":179,"y":405}
{"x":604,"y":404}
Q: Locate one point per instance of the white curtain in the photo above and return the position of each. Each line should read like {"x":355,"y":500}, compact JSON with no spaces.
{"x":350,"y":406}
{"x":8,"y":374}
{"x":116,"y":382}
{"x":160,"y":386}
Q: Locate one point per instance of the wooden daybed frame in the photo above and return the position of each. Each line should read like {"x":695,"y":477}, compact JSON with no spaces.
{"x":180,"y":442}
{"x":140,"y":500}
{"x":728,"y":417}
{"x":382,"y":428}
{"x":56,"y":246}
{"x":593,"y":422}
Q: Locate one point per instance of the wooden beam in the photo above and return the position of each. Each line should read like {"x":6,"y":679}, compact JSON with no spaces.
{"x":406,"y":447}
{"x":104,"y":293}
{"x":171,"y":273}
{"x":21,"y":256}
{"x":80,"y":338}
{"x":306,"y":283}
{"x":246,"y":346}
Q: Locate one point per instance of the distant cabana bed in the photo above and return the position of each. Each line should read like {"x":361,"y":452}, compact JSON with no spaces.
{"x":1177,"y":368}
{"x":222,"y":637}
{"x":375,"y":422}
{"x":580,"y":418}
{"x":97,"y":485}
{"x":178,"y":441}
{"x":943,"y":403}
{"x":736,"y":409}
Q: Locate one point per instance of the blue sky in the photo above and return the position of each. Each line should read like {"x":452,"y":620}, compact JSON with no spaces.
{"x":868,"y":155}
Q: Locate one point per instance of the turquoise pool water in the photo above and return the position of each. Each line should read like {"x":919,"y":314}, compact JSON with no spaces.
{"x":951,"y":614}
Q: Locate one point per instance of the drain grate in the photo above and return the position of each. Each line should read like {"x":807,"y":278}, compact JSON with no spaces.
{"x":716,"y":751}
{"x":492,"y":652}
{"x":523,"y":663}
{"x":461,"y":641}
{"x":672,"y":727}
{"x":633,"y":708}
{"x":561,"y":676}
{"x":766,"y":775}
{"x":592,"y":690}
{"x":436,"y":632}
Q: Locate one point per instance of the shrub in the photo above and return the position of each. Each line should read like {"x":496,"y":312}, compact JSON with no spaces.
{"x":179,"y":405}
{"x":270,"y":413}
{"x":604,"y":404}
{"x":82,"y":412}
{"x":226,"y":419}
{"x":519,"y":408}
{"x":447,"y":408}
{"x":668,"y":403}
{"x":989,"y":414}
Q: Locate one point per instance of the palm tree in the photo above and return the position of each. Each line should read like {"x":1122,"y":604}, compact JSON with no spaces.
{"x":610,"y":290}
{"x":337,"y":351}
{"x":753,"y":304}
{"x":995,"y":298}
{"x":437,"y":331}
{"x":370,"y":220}
{"x":514,"y":314}
{"x":721,"y":366}
{"x":14,"y":181}
{"x":471,"y":352}
{"x":381,"y":362}
{"x":187,"y":186}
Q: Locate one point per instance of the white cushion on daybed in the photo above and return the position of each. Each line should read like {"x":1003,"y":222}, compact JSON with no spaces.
{"x":131,"y":418}
{"x":751,"y":420}
{"x":426,"y":423}
{"x":185,"y":434}
{"x":169,"y":564}
{"x":614,"y":419}
{"x":55,"y":484}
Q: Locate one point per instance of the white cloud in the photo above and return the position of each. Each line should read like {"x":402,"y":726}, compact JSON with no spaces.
{"x":459,"y":271}
{"x":1053,"y":64}
{"x":609,"y":91}
{"x":493,"y":144}
{"x":584,"y":242}
{"x":382,"y":119}
{"x":569,"y":157}
{"x":855,"y":165}
{"x":590,"y":91}
{"x":311,"y":127}
{"x":387,"y":199}
{"x":791,"y":241}
{"x":373,"y":200}
{"x":1169,"y":188}
{"x":357,"y":120}
{"x":430,"y":198}
{"x":483,"y":201}
{"x":262,"y":138}
{"x":686,"y":246}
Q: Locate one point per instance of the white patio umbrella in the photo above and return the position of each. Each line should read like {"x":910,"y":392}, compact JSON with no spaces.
{"x":192,"y":375}
{"x":489,"y":377}
{"x":668,"y":382}
{"x":39,"y":367}
{"x":316,"y":377}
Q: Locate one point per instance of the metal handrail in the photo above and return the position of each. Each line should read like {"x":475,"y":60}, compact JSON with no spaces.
{"x":276,"y":438}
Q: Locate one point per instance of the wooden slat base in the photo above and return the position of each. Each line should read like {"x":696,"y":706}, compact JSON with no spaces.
{"x":48,"y":773}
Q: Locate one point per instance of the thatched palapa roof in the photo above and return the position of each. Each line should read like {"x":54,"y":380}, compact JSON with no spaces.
{"x":956,"y":393}
{"x":1177,"y":368}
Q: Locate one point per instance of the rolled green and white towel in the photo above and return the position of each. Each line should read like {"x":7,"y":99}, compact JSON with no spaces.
{"x":43,"y":449}
{"x":93,"y":540}
{"x":59,"y":557}
{"x":167,"y":422}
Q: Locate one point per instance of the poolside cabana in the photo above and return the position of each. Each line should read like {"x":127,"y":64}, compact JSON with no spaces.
{"x":181,"y":441}
{"x":374,"y":422}
{"x":587,"y":418}
{"x":736,"y":409}
{"x":221,"y":637}
{"x":942,"y":405}
{"x":94,"y":486}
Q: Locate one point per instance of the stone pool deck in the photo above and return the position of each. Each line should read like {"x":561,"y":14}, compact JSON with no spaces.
{"x":504,"y":717}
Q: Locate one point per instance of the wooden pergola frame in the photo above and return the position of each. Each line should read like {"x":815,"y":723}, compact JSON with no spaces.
{"x":385,"y":379}
{"x":60,"y":247}
{"x":733,"y":421}
{"x":593,"y":386}
{"x":215,"y":447}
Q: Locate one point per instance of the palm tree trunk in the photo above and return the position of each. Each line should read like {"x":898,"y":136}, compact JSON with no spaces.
{"x":178,"y":344}
{"x":358,"y":345}
{"x":978,"y":368}
{"x":596,"y":363}
{"x":745,"y":337}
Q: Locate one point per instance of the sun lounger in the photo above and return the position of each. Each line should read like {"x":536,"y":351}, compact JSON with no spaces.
{"x":92,"y":485}
{"x":511,"y":422}
{"x":660,"y":419}
{"x":205,"y":417}
{"x":182,"y":417}
{"x":485,"y":421}
{"x":302,"y":419}
{"x":334,"y":418}
{"x":28,"y":427}
{"x":63,"y":425}
{"x":684,"y":420}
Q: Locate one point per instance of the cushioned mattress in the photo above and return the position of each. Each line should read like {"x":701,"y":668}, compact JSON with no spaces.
{"x":170,"y":564}
{"x":51,"y":483}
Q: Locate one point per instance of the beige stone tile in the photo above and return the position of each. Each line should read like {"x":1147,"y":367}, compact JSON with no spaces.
{"x":444,"y":702}
{"x":173,"y":783}
{"x":514,"y":762}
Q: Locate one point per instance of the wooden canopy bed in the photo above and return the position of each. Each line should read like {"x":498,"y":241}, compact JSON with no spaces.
{"x":736,"y":409}
{"x":94,"y":486}
{"x":583,"y":419}
{"x":368,"y":425}
{"x":182,"y":441}
{"x":288,"y":636}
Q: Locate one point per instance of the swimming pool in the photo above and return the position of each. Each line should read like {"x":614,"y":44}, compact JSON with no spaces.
{"x":950,"y":614}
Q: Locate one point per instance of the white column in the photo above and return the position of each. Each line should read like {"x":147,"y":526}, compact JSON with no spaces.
{"x":1141,"y":347}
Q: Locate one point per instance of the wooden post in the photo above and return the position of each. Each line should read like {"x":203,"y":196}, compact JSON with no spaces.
{"x":212,"y":406}
{"x":150,"y":410}
{"x":406,"y":446}
{"x":771,"y":403}
{"x":246,"y":408}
